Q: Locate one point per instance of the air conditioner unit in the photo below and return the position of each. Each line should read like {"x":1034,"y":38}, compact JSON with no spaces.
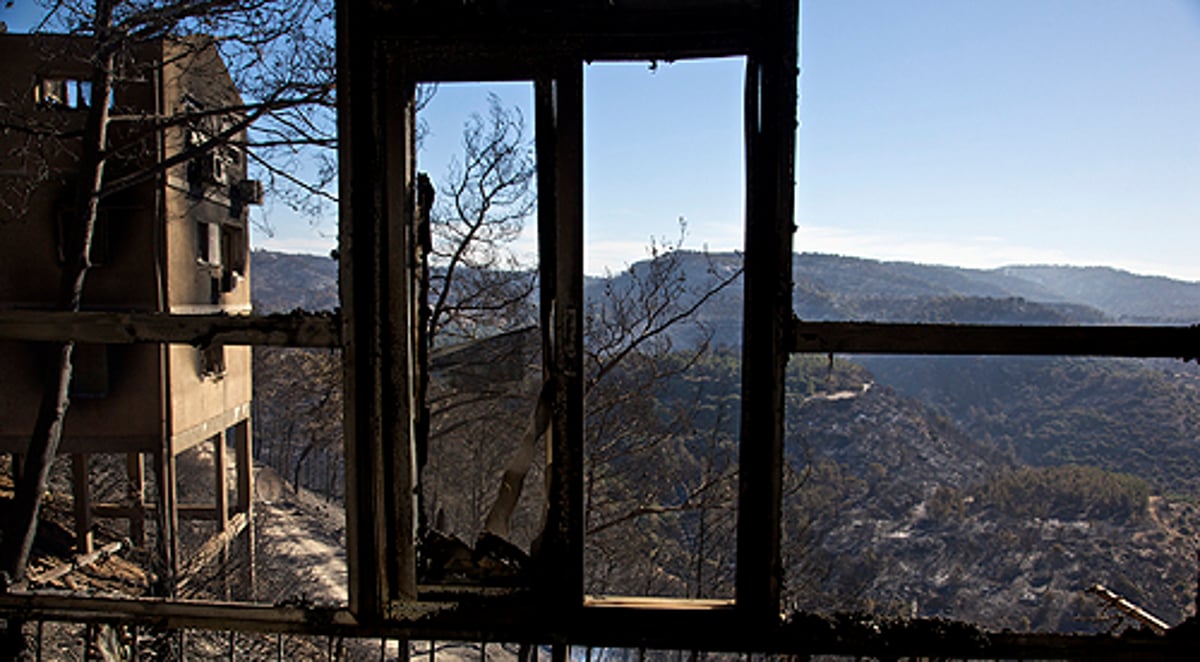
{"x":248,"y":192}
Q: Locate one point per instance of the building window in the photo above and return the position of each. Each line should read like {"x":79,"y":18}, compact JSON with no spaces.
{"x":233,"y":249}
{"x":208,"y":243}
{"x":72,"y":93}
{"x":212,"y":361}
{"x":208,"y":168}
{"x":63,"y":92}
{"x":222,"y":248}
{"x":218,"y":163}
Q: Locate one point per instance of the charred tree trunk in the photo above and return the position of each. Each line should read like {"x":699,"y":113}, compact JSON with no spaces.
{"x":301,"y":463}
{"x":21,"y":522}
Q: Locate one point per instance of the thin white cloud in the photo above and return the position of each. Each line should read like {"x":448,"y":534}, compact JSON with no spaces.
{"x":981,"y":252}
{"x":612,"y":256}
{"x":310,"y":245}
{"x":978,"y":252}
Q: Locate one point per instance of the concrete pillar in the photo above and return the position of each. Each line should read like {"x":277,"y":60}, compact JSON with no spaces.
{"x":221,"y":480}
{"x":84,"y":542}
{"x":169,"y":512}
{"x":135,"y":468}
{"x":245,"y":466}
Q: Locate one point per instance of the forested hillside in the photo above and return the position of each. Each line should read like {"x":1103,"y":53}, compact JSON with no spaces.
{"x":995,"y":490}
{"x":1139,"y":417}
{"x":286,"y":281}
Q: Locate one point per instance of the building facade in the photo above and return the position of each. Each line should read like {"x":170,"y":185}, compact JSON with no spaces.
{"x":171,"y":236}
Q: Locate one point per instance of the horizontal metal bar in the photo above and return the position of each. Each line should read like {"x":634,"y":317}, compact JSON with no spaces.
{"x":1181,"y":342}
{"x":630,"y":627}
{"x":298,"y":329}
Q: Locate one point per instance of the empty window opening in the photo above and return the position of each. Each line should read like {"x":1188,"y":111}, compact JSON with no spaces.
{"x":482,"y":496}
{"x":300,"y":473}
{"x":212,"y":360}
{"x":71,"y":93}
{"x":208,"y":243}
{"x":989,"y":489}
{"x":663,"y":236}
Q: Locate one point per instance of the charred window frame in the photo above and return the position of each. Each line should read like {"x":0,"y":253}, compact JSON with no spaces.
{"x":394,"y":46}
{"x":398,"y":45}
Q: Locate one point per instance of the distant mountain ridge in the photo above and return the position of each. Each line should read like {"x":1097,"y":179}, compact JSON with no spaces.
{"x":1078,"y":292}
{"x":281,"y":282}
{"x":1120,"y":293}
{"x":839,"y":287}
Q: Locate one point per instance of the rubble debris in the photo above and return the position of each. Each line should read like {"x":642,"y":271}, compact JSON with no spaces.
{"x":493,"y":561}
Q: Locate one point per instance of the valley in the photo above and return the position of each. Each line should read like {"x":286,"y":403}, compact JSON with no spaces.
{"x":991,"y":490}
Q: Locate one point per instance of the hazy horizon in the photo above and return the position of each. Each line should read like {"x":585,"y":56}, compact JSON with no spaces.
{"x":325,"y":253}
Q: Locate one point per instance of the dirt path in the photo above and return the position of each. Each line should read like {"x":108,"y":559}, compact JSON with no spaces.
{"x":300,"y":542}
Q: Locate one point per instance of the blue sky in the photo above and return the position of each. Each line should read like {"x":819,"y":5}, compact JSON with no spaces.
{"x":975,"y":133}
{"x":987,"y":132}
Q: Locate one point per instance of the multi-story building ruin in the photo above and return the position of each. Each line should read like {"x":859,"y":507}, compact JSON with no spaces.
{"x":170,"y":238}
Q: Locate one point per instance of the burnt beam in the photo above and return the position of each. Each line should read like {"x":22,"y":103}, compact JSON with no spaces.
{"x":447,"y":36}
{"x":300,"y":329}
{"x":559,"y":116}
{"x":770,"y":139}
{"x":1181,"y":342}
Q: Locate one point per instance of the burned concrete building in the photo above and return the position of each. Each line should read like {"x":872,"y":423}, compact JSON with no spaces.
{"x":170,"y":238}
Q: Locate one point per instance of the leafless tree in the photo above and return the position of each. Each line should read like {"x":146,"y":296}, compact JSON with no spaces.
{"x":660,"y":475}
{"x":298,"y":411}
{"x":478,"y":290}
{"x":21,"y":524}
{"x":478,"y":286}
